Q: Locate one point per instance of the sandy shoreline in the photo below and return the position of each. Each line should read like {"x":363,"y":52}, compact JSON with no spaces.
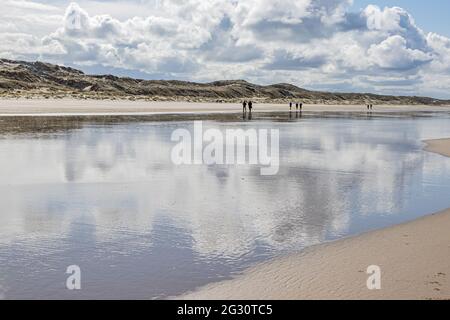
{"x":414,"y":259}
{"x":440,"y":146}
{"x":98,"y":107}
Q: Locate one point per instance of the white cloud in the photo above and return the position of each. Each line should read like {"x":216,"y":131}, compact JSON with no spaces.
{"x":394,"y":54}
{"x":29,"y":5}
{"x":314,"y":43}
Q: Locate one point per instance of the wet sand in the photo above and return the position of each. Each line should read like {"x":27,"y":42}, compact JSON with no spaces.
{"x":414,"y":259}
{"x":99,"y":107}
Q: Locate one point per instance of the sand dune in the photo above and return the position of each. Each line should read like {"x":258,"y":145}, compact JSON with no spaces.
{"x":414,"y":259}
{"x":40,"y":79}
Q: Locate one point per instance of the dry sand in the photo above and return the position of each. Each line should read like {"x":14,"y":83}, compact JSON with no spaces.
{"x":441,"y":146}
{"x":414,"y":259}
{"x":72,"y":106}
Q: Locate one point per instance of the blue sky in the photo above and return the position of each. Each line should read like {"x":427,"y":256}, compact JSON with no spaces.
{"x":386,"y":47}
{"x":431,"y":15}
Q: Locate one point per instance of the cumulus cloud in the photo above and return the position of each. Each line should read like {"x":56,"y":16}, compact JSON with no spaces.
{"x":320,"y":44}
{"x":394,"y":54}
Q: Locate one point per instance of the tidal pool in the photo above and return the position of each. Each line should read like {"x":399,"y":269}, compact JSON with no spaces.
{"x":102,"y":193}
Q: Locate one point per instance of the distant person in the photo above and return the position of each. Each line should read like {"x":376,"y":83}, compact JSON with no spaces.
{"x":368,"y":107}
{"x":250,"y":106}
{"x":301,"y":106}
{"x":290,"y":105}
{"x":296,"y":106}
{"x":244,"y":106}
{"x":371,"y":107}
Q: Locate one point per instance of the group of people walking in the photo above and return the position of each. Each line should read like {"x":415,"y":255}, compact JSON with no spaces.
{"x":245,"y":104}
{"x":298,"y":106}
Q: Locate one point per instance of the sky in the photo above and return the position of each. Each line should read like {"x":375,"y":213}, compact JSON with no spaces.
{"x":431,"y":18}
{"x":399,"y":47}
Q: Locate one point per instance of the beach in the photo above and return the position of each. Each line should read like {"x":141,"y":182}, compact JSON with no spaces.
{"x":99,"y":107}
{"x":414,"y":259}
{"x":224,"y":150}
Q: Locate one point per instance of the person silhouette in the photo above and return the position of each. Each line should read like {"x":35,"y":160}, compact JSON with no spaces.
{"x":301,"y":106}
{"x":244,"y":106}
{"x":250,"y":106}
{"x":290,"y":105}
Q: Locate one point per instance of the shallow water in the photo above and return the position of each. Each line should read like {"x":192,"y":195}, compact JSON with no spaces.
{"x":103,"y":194}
